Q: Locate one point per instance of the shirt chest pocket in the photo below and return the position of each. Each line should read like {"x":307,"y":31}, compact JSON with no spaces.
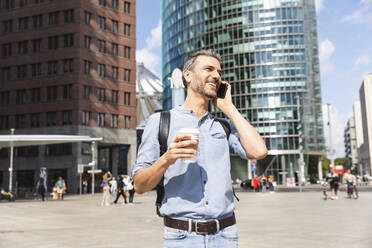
{"x":218,"y":144}
{"x":218,"y":135}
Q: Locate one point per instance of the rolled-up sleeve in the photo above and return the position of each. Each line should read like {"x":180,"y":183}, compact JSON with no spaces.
{"x":234,"y":142}
{"x":149,"y":150}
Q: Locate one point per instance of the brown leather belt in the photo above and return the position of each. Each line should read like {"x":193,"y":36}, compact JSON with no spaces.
{"x":200,"y":227}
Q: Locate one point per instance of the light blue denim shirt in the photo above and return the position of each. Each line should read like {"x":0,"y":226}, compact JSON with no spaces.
{"x":200,"y":190}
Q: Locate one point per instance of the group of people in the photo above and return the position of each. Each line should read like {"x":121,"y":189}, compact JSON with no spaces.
{"x":59,"y":189}
{"x":262,"y":183}
{"x":116,"y":187}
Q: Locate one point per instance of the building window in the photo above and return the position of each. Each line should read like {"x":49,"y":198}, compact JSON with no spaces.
{"x":58,"y":150}
{"x":102,"y":3}
{"x":66,"y":117}
{"x":21,"y":96}
{"x":53,"y":18}
{"x":115,"y":72}
{"x":87,"y":17}
{"x":114,"y":96}
{"x":20,"y":121}
{"x":24,"y":3}
{"x":101,"y":119}
{"x":101,"y":94}
{"x":4,"y":97}
{"x":67,"y":91}
{"x":53,"y":42}
{"x":38,"y":1}
{"x":127,"y":75}
{"x":35,"y":95}
{"x":8,"y":26}
{"x":102,"y":46}
{"x":127,"y":52}
{"x":115,"y":49}
{"x":102,"y":22}
{"x":102,"y":70}
{"x":22,"y":47}
{"x":114,"y":121}
{"x":22,"y":24}
{"x":35,"y":120}
{"x":87,"y":66}
{"x":115,"y":26}
{"x":86,"y":92}
{"x":68,"y":65}
{"x":68,"y":40}
{"x":5,"y":74}
{"x":126,"y":29}
{"x":87,"y":41}
{"x":126,"y":7}
{"x":115,"y":4}
{"x":9,"y":4}
{"x":38,"y":21}
{"x":51,"y":118}
{"x":52,"y":67}
{"x":69,"y":15}
{"x":6,"y":50}
{"x":36,"y":70}
{"x":51,"y":93}
{"x":36,"y":45}
{"x":21,"y":71}
{"x":126,"y":98}
{"x":127,"y":121}
{"x":4,"y":122}
{"x":87,"y":116}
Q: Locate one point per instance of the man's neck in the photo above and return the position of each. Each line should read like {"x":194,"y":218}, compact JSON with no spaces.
{"x":196,"y":102}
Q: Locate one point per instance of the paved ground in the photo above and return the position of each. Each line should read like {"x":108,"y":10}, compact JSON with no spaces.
{"x":280,"y":220}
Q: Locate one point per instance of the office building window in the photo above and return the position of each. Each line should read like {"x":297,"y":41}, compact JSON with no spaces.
{"x":67,"y":91}
{"x":115,"y":49}
{"x":126,"y":29}
{"x":52,"y":42}
{"x":66,"y":117}
{"x":101,"y":94}
{"x":22,"y":24}
{"x":87,"y":66}
{"x":21,"y":96}
{"x":114,"y":121}
{"x":115,"y":4}
{"x":68,"y":65}
{"x":87,"y":41}
{"x":21,"y":71}
{"x":35,"y":95}
{"x":87,"y":116}
{"x":51,"y":118}
{"x":102,"y":70}
{"x":127,"y":52}
{"x":51,"y":93}
{"x":52,"y":67}
{"x":87,"y":17}
{"x":127,"y":121}
{"x":86,"y":92}
{"x":35,"y":119}
{"x":38,"y":21}
{"x":4,"y":97}
{"x":69,"y":15}
{"x":115,"y":72}
{"x":38,"y":1}
{"x":102,"y":46}
{"x":36,"y":70}
{"x":5,"y":73}
{"x":22,"y":47}
{"x":102,"y":22}
{"x":115,"y":26}
{"x":101,"y":119}
{"x":8,"y":26}
{"x":6,"y":50}
{"x":20,"y":121}
{"x":58,"y":150}
{"x":127,"y":75}
{"x":24,"y":3}
{"x":4,"y":122}
{"x":126,"y":98}
{"x":36,"y":45}
{"x":114,"y":96}
{"x":126,"y":7}
{"x":54,"y":18}
{"x":9,"y":4}
{"x":68,"y":40}
{"x":102,"y":2}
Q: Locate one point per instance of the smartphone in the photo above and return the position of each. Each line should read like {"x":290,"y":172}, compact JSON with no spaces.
{"x":221,"y":92}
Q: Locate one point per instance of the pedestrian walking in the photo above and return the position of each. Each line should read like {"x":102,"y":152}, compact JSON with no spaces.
{"x":113,"y":187}
{"x":271,"y":183}
{"x":106,"y":188}
{"x":120,"y":191}
{"x":333,"y":179}
{"x":41,"y":189}
{"x":85,"y":186}
{"x":60,"y":188}
{"x":197,"y":204}
{"x":131,"y":191}
{"x":263,"y":183}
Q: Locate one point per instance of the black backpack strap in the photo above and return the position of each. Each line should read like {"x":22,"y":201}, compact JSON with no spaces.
{"x":164,"y":125}
{"x":225,"y":126}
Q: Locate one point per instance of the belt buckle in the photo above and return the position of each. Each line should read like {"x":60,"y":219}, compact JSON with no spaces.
{"x":196,"y":226}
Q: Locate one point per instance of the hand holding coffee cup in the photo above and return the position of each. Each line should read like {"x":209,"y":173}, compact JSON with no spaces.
{"x":193,"y":133}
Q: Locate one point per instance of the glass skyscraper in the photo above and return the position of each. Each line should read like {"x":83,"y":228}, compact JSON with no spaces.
{"x":269,"y":54}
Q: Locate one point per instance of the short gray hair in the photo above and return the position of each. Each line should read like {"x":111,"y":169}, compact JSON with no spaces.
{"x":189,"y":64}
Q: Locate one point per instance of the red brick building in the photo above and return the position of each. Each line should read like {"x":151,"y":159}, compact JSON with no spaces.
{"x":68,"y":67}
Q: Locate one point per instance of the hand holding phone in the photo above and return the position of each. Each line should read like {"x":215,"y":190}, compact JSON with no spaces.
{"x":221,"y":92}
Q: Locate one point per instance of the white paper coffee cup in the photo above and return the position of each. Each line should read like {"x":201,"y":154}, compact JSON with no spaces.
{"x":194,"y":133}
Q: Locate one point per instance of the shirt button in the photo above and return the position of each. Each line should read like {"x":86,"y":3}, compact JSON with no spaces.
{"x":206,"y":203}
{"x":204,"y":182}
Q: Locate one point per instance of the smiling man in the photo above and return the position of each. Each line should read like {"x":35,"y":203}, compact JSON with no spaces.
{"x":198,"y":204}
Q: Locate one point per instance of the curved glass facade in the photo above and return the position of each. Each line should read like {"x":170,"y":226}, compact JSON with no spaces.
{"x":269,"y":55}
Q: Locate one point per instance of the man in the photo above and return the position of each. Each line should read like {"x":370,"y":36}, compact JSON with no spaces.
{"x":333,"y":179}
{"x":198,"y":205}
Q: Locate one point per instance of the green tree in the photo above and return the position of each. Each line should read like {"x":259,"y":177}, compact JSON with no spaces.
{"x":340,"y":161}
{"x":325,"y":164}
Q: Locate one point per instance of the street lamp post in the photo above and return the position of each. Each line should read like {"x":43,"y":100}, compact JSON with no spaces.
{"x":11,"y":163}
{"x":331,"y":152}
{"x":300,"y":143}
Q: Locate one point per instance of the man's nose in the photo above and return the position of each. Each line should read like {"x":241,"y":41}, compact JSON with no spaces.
{"x":216,"y":76}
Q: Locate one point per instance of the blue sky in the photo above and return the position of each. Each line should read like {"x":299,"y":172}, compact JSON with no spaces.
{"x":345,"y":52}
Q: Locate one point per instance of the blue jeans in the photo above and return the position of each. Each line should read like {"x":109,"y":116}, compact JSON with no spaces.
{"x":226,"y":238}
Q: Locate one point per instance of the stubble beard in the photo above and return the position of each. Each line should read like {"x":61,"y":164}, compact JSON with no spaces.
{"x":201,"y":89}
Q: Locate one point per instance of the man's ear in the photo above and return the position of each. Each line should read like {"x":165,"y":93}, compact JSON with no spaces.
{"x":187,"y":76}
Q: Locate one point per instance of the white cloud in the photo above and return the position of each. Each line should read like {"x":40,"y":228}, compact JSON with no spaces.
{"x":362,"y":14}
{"x":326,"y":49}
{"x":319,"y":5}
{"x":361,"y":61}
{"x":151,"y":54}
